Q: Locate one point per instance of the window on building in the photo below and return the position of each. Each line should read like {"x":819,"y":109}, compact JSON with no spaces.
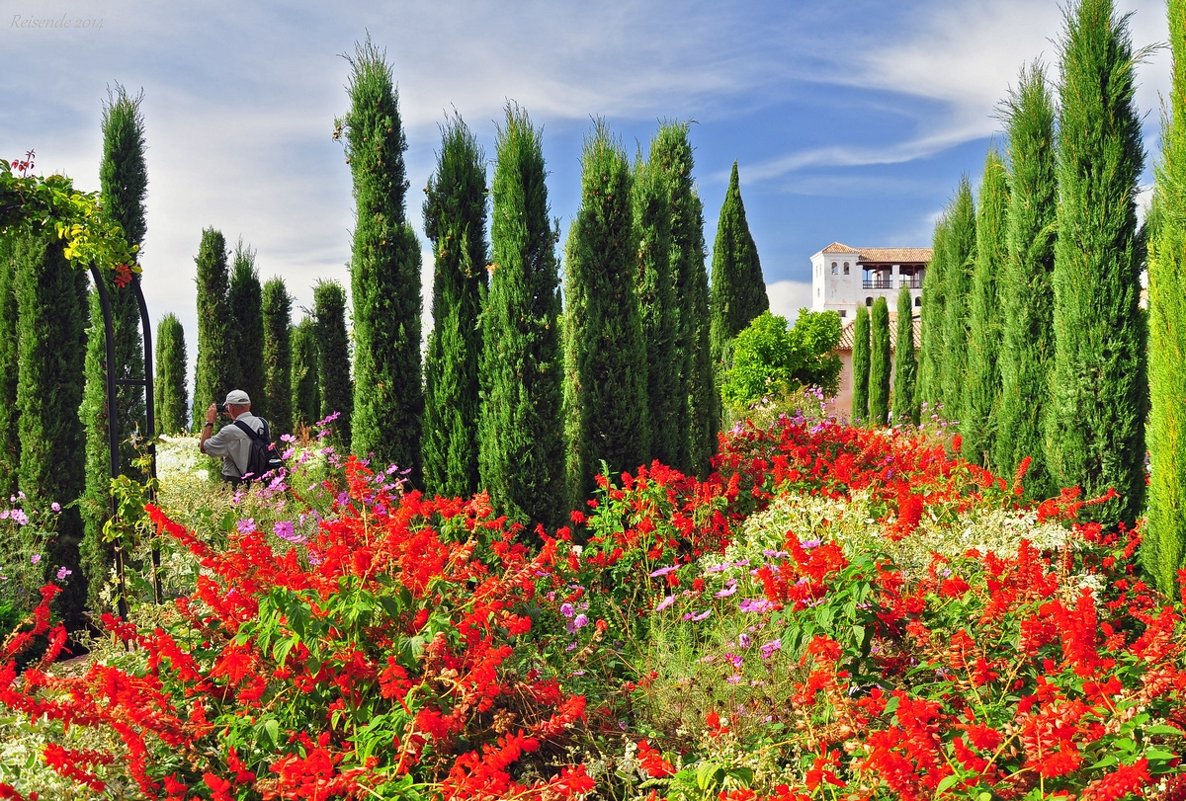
{"x":843,"y":313}
{"x":868,"y":301}
{"x":833,"y":268}
{"x":918,"y":302}
{"x":845,"y":268}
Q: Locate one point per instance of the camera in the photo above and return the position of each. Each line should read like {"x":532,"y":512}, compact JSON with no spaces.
{"x":221,"y":407}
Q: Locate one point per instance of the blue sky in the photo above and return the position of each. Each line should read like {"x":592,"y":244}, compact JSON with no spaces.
{"x":850,"y":121}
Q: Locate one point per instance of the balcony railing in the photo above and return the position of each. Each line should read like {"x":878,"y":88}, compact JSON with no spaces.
{"x":912,"y":281}
{"x":876,"y":283}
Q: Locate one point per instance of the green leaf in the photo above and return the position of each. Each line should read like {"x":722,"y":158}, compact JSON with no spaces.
{"x":947,"y":783}
{"x":706,"y":775}
{"x":272,"y":727}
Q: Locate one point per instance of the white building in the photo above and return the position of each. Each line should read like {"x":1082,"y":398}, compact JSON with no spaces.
{"x":844,"y":277}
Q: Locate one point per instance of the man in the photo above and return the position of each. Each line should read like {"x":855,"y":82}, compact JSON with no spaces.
{"x":231,"y":442}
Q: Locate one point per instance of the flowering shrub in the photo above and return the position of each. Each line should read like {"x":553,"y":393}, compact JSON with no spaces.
{"x":834,"y":613}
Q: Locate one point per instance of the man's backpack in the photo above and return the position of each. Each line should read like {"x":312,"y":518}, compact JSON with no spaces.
{"x":263,"y":457}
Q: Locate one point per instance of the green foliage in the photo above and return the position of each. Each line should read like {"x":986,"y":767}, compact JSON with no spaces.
{"x":276,"y":401}
{"x":738,"y":290}
{"x":770,"y":359}
{"x":671,"y":154}
{"x":861,"y":357}
{"x":1096,"y":422}
{"x":171,"y":396}
{"x":960,"y":247}
{"x":930,"y":388}
{"x":333,"y":357}
{"x":655,"y":290}
{"x":605,"y":382}
{"x":1163,"y":548}
{"x":455,"y":221}
{"x":879,"y":363}
{"x":306,"y":397}
{"x":245,"y":299}
{"x":10,"y":444}
{"x":982,"y":389}
{"x":384,"y":271}
{"x":905,"y":402}
{"x":123,"y":182}
{"x":520,"y":429}
{"x":214,"y":363}
{"x":1026,"y":295}
{"x":51,"y":301}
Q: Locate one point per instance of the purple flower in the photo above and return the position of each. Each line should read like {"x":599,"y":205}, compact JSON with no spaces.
{"x":64,"y":572}
{"x":735,"y":659}
{"x":580,"y":621}
{"x":285,"y":531}
{"x":755,"y":605}
{"x":666,"y":602}
{"x":770,"y":553}
{"x":35,"y":558}
{"x":19,"y":517}
{"x":734,"y":679}
{"x":663,"y":571}
{"x":769,"y":648}
{"x":744,"y":640}
{"x":696,"y":618}
{"x":55,"y":507}
{"x":807,"y":545}
{"x":729,"y":589}
{"x":246,"y":525}
{"x":567,"y":610}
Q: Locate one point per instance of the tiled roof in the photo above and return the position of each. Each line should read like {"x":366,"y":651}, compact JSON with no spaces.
{"x":839,"y":247}
{"x":894,"y":255}
{"x":846,"y":333}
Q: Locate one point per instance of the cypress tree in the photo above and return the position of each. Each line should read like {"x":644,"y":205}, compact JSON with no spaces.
{"x":276,"y":400}
{"x":123,"y":184}
{"x":10,"y":443}
{"x":861,"y":354}
{"x":654,"y":288}
{"x":306,"y":398}
{"x":738,"y":289}
{"x":171,"y":396}
{"x":1098,"y":404}
{"x":605,"y":383}
{"x":879,"y":363}
{"x":982,"y":388}
{"x":930,"y":388}
{"x":245,"y":299}
{"x":959,"y":256}
{"x":52,"y":309}
{"x":671,"y":152}
{"x":1163,"y":548}
{"x":214,"y":319}
{"x":1026,"y":295}
{"x":520,"y":430}
{"x":905,"y":403}
{"x":455,"y":221}
{"x":333,"y":357}
{"x":384,"y":271}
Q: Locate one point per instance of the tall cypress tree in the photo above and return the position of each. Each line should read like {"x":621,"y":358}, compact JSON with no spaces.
{"x":1163,"y":548}
{"x":959,"y":256}
{"x":306,"y":397}
{"x":455,"y":221}
{"x":1099,"y":402}
{"x":276,"y":399}
{"x":52,"y":309}
{"x":384,"y":271}
{"x":10,"y":443}
{"x":333,"y":357}
{"x":861,"y":347}
{"x":520,"y":431}
{"x":655,"y":291}
{"x":738,"y":292}
{"x":879,"y":363}
{"x":1026,"y":295}
{"x":671,"y":152}
{"x":930,"y":387}
{"x":214,"y":318}
{"x":905,"y":408}
{"x":605,"y":385}
{"x":123,"y":184}
{"x":170,"y":397}
{"x":982,"y":388}
{"x":245,"y":299}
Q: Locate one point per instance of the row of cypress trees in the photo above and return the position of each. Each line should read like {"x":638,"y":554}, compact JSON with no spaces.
{"x":1033,"y":342}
